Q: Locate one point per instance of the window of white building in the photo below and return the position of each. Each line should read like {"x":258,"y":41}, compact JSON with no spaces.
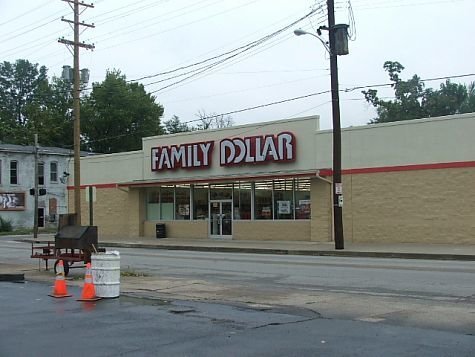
{"x":14,"y":172}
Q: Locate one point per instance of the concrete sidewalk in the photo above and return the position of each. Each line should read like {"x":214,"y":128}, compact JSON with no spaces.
{"x":401,"y":250}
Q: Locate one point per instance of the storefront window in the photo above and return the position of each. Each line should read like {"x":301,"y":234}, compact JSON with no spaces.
{"x":153,"y":204}
{"x":302,"y":199}
{"x":283,"y":199}
{"x":200,"y":201}
{"x":223,"y":191}
{"x":182,"y":202}
{"x":263,"y":200}
{"x":242,"y":200}
{"x":167,"y":202}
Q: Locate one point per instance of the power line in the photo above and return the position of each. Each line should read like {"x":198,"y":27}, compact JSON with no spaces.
{"x":207,"y":17}
{"x":32,"y":29}
{"x":230,"y":54}
{"x":250,"y":89}
{"x":24,"y":13}
{"x":346,"y":90}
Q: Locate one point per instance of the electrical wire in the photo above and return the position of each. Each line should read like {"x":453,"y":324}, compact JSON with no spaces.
{"x":205,"y":18}
{"x":22,"y":15}
{"x":244,"y":49}
{"x":346,"y":90}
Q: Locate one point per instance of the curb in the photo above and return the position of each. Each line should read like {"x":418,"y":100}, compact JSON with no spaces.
{"x":12,"y":277}
{"x":336,"y":253}
{"x":322,"y":253}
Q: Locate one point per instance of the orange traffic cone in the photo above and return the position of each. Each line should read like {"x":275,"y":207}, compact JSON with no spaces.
{"x":60,"y":290}
{"x":88,"y":291}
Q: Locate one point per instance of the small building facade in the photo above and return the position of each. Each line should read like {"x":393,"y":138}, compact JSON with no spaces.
{"x":402,"y":182}
{"x":17,"y":178}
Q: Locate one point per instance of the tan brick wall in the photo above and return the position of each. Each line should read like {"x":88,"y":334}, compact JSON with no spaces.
{"x":179,"y":229}
{"x":298,"y":230}
{"x":432,"y":206}
{"x":321,"y":222}
{"x":347,"y":208}
{"x":117,"y":212}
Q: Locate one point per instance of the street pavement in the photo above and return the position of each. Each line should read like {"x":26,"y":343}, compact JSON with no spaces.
{"x":374,"y":250}
{"x":377,"y":250}
{"x":417,"y":316}
{"x":37,"y":325}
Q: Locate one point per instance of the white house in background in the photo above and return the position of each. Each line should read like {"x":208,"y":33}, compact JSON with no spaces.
{"x":17,"y":177}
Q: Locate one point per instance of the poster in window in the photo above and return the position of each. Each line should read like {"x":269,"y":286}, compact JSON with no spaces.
{"x":184,"y":210}
{"x":12,"y":201}
{"x":284,"y":207}
{"x":303,"y":211}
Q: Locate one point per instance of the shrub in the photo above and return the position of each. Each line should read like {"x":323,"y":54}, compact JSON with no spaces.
{"x":5,"y":226}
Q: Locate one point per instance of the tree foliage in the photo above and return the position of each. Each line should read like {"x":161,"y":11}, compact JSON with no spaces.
{"x":213,"y":121}
{"x":117,"y":114}
{"x":413,"y":101}
{"x":24,"y":92}
{"x":174,"y":125}
{"x":205,"y":122}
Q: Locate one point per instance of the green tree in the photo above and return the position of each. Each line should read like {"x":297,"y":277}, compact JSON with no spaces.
{"x":468,"y":106}
{"x":174,"y":125}
{"x":406,"y":105}
{"x":23,"y":90}
{"x":412,"y":101}
{"x":117,"y":114}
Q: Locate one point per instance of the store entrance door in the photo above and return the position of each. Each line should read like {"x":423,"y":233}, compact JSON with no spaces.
{"x":221,"y":219}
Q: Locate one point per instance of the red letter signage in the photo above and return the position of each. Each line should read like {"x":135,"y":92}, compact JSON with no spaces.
{"x":257,"y":149}
{"x":195,"y":155}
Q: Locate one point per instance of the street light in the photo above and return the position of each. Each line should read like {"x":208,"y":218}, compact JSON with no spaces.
{"x":334,"y":50}
{"x":300,"y":32}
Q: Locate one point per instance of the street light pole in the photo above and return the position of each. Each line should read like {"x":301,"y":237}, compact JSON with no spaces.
{"x":337,"y":184}
{"x":338,"y":46}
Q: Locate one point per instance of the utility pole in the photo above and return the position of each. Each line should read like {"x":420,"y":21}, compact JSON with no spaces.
{"x":337,"y":184}
{"x":35,"y":223}
{"x":76,"y":99}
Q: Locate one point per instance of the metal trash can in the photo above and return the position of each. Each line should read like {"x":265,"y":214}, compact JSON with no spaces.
{"x":160,"y":230}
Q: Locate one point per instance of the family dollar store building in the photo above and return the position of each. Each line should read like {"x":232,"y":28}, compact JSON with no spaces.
{"x":411,"y":181}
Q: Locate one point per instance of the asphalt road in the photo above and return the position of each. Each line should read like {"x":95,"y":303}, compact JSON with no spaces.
{"x":357,"y":306}
{"x":34,"y":324}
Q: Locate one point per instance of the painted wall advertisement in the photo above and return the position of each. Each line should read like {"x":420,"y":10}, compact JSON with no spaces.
{"x":12,"y":201}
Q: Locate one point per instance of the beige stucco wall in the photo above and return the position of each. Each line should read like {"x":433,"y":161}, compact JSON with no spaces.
{"x":409,"y":142}
{"x":304,"y":130}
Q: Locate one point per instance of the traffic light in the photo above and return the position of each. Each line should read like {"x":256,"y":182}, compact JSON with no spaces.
{"x":41,"y":191}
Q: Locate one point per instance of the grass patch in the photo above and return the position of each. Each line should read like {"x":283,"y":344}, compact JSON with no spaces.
{"x":5,"y":225}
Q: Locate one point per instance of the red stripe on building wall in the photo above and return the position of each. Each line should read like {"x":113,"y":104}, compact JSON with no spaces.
{"x":373,"y":170}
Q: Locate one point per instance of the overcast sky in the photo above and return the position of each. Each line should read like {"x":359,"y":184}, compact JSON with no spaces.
{"x":432,"y":38}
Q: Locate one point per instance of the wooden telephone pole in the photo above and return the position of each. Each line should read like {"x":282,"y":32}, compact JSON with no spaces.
{"x":75,"y":5}
{"x":337,"y":182}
